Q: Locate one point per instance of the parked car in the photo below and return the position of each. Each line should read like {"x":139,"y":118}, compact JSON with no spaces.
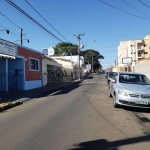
{"x":130,"y":89}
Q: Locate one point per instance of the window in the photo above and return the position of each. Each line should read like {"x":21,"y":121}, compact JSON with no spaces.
{"x":134,"y":79}
{"x":139,"y":47}
{"x":145,"y":52}
{"x":139,"y":54}
{"x":34,"y":64}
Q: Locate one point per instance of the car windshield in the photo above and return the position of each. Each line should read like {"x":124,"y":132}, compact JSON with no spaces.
{"x":134,"y":79}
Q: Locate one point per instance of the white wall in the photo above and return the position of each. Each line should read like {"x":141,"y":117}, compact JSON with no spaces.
{"x":72,"y":58}
{"x":143,"y":67}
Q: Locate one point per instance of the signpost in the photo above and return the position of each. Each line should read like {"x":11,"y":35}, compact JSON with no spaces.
{"x":48,"y":51}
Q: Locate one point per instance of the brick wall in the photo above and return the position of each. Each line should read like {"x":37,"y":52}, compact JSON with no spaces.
{"x":30,"y":75}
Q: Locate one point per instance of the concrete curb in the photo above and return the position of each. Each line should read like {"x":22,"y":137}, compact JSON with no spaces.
{"x":8,"y":105}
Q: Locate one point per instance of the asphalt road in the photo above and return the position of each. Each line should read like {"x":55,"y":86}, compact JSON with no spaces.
{"x":78,"y":117}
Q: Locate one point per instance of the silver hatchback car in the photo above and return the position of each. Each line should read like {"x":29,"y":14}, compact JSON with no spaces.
{"x":130,"y":89}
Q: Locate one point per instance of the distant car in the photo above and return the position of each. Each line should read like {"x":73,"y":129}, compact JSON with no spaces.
{"x":130,"y":89}
{"x":106,"y":74}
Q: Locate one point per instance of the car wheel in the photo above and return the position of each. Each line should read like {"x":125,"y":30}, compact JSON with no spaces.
{"x":114,"y":102}
{"x":109,"y":93}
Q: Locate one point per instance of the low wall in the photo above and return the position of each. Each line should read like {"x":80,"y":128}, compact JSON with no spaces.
{"x":143,"y":67}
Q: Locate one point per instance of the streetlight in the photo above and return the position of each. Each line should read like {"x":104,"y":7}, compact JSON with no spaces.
{"x":7,"y":31}
{"x":78,"y":38}
{"x":82,"y":45}
{"x":22,"y":39}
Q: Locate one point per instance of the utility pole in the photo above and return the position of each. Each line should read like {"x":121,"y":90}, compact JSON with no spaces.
{"x":21,"y":36}
{"x":92,"y":63}
{"x":79,"y":38}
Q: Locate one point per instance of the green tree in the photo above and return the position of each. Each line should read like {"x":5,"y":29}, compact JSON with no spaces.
{"x":88,"y":54}
{"x":66,"y":48}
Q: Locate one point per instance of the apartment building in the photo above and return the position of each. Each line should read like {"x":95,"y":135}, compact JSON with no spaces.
{"x":144,"y":49}
{"x":132,"y":49}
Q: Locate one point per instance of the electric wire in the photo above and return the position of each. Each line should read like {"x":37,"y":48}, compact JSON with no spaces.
{"x":74,"y":15}
{"x":9,"y":31}
{"x":123,"y":10}
{"x":67,"y":14}
{"x":45,"y":19}
{"x":23,"y":17}
{"x":10,"y":20}
{"x":47,"y":4}
{"x":144,"y":4}
{"x":135,"y":8}
{"x":32,"y":19}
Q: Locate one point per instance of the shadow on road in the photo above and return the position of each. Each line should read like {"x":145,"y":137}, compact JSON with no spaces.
{"x":103,"y":144}
{"x":70,"y":88}
{"x":134,"y":109}
{"x":38,"y":92}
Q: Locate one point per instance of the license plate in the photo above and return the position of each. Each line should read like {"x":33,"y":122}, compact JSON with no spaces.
{"x":142,"y":102}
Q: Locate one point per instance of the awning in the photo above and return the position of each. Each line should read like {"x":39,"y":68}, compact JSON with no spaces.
{"x":7,"y":56}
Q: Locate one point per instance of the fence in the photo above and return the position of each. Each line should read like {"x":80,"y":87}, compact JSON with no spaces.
{"x":55,"y":74}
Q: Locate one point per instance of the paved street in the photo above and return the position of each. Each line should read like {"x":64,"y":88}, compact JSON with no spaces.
{"x":78,"y":117}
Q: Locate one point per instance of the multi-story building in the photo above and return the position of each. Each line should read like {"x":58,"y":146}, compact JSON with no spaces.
{"x":144,"y":49}
{"x":132,"y":49}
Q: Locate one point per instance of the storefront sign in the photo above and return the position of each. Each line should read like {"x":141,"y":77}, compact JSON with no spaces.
{"x":7,"y":48}
{"x":127,"y":60}
{"x":48,"y":51}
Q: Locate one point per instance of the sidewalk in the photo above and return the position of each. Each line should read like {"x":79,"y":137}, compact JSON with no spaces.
{"x":22,"y":96}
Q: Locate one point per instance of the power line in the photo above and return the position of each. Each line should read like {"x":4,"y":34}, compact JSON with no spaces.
{"x":24,"y":17}
{"x":67,"y":13}
{"x":123,"y":10}
{"x":144,"y":4}
{"x":135,"y":8}
{"x":28,"y":16}
{"x":73,"y":14}
{"x":45,"y":19}
{"x":10,"y":20}
{"x":9,"y":31}
{"x":66,"y":25}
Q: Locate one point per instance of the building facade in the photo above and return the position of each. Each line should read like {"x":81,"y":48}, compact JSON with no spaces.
{"x":52,"y":71}
{"x":130,"y":48}
{"x":31,"y":67}
{"x":144,"y":49}
{"x":8,"y":57}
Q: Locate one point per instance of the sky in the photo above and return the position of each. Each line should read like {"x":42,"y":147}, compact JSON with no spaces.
{"x":64,"y":18}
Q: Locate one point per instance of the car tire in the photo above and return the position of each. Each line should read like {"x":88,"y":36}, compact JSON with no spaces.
{"x":114,"y":103}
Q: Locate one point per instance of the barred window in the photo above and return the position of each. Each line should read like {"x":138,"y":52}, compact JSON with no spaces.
{"x":34,"y":64}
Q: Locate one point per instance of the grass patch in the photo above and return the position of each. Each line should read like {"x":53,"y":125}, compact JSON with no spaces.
{"x":10,"y":104}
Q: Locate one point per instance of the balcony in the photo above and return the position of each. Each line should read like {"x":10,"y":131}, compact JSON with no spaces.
{"x":140,"y":55}
{"x":140,"y":47}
